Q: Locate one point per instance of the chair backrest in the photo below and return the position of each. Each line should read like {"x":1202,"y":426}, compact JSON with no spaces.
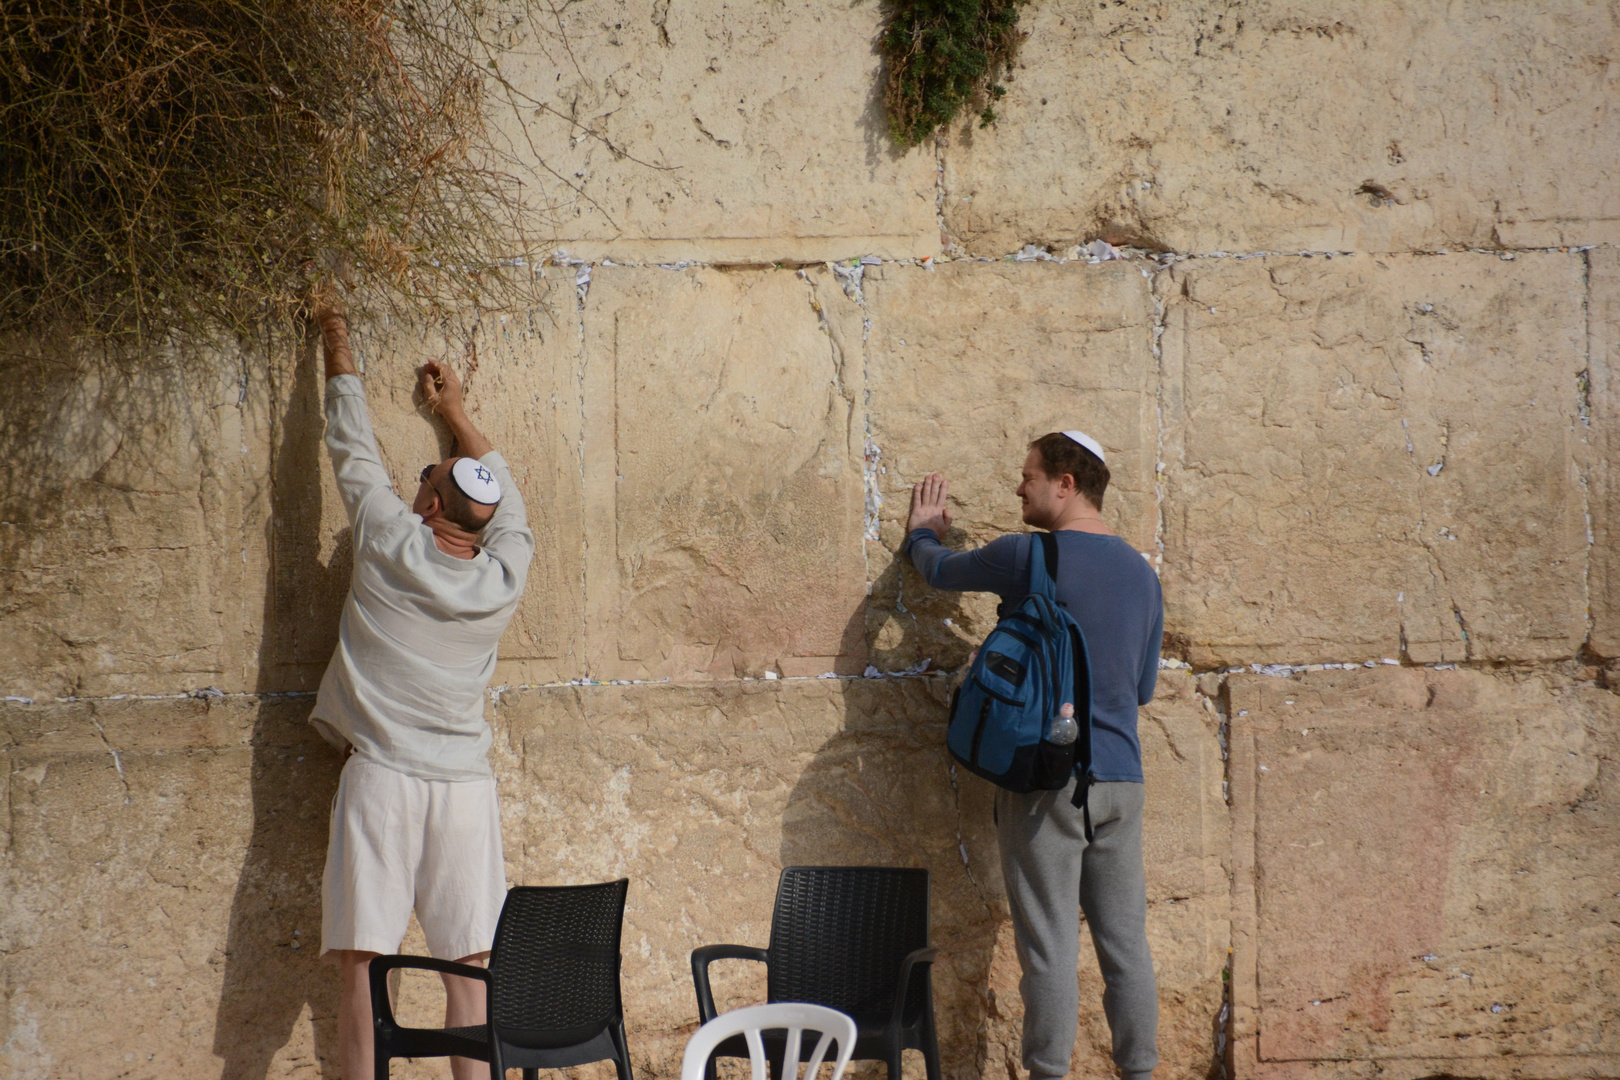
{"x":839,"y":934}
{"x":795,"y":1016}
{"x":555,"y":962}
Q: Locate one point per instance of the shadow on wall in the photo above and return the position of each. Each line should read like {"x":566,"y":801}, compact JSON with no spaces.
{"x":272,"y":968}
{"x":906,"y":622}
{"x":883,"y":792}
{"x":874,"y":123}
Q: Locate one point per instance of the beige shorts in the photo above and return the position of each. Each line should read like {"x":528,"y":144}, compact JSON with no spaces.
{"x":399,"y":842}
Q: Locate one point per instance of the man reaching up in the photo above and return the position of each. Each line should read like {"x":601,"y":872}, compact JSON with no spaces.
{"x":415,"y":822}
{"x":1052,"y":872}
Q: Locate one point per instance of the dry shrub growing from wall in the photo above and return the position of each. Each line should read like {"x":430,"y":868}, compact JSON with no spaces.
{"x":942,"y":54}
{"x":170,"y":165}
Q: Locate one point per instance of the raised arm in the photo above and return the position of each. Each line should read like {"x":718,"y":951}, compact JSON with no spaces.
{"x":362,"y":481}
{"x":507,"y":536}
{"x":441,"y":390}
{"x":996,"y":567}
{"x":334,"y":337}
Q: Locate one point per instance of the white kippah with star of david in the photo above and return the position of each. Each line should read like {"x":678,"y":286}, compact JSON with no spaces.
{"x":476,"y":481}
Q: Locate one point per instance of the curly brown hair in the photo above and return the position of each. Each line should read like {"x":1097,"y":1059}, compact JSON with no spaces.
{"x":1061,"y":454}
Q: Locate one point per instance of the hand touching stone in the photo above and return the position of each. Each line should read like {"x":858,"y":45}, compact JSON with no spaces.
{"x":928,"y":510}
{"x":441,"y":392}
{"x":441,"y":388}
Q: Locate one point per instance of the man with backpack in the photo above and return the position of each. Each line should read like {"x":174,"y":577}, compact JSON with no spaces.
{"x":1079,"y":848}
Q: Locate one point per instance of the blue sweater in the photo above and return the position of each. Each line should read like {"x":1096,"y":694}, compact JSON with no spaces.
{"x":1113,"y":594}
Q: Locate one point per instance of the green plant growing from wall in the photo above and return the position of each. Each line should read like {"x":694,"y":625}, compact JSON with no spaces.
{"x":942,"y":55}
{"x":171,"y":165}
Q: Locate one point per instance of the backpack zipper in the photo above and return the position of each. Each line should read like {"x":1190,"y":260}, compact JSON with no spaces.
{"x":978,"y":732}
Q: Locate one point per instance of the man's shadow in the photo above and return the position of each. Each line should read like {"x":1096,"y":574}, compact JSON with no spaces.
{"x":272,"y":970}
{"x":883,"y":791}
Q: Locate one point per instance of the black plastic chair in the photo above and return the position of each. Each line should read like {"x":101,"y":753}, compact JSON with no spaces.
{"x":854,"y":938}
{"x":552,"y":981}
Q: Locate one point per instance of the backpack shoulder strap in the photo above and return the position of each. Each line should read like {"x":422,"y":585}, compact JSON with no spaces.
{"x":1043,"y":567}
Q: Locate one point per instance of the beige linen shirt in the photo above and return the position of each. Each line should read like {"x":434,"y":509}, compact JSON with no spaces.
{"x":416,"y":646}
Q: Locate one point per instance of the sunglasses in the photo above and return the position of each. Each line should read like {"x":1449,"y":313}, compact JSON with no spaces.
{"x":427,"y":471}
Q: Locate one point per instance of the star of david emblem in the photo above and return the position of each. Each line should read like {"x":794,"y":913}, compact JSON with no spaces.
{"x":483,"y":474}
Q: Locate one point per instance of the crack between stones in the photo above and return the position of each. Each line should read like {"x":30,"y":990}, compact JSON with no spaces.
{"x":584,"y":534}
{"x":1277,"y":670}
{"x":1158,"y":411}
{"x":1583,"y":410}
{"x":952,"y":253}
{"x":1216,"y":703}
{"x":961,"y":842}
{"x":118,"y":762}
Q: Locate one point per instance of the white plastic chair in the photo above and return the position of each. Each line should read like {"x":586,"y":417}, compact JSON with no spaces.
{"x":795,"y":1016}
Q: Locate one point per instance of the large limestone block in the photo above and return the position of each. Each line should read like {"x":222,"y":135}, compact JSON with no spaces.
{"x":723,"y":479}
{"x":721,"y":132}
{"x":1185,"y":843}
{"x":120,"y":523}
{"x":161,"y":911}
{"x":1374,"y":456}
{"x":1602,"y":472}
{"x":700,"y":794}
{"x":967,"y":364}
{"x":522,"y":390}
{"x":1294,"y":125}
{"x":1426,"y":867}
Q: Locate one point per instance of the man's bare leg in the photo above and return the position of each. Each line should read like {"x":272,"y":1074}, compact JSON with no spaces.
{"x":465,"y":1004}
{"x":354,"y":1016}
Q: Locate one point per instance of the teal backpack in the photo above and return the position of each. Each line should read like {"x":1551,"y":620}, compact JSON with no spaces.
{"x":1029,"y":666}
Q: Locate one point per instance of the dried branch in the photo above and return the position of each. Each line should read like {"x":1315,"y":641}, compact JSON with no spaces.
{"x":192,"y":165}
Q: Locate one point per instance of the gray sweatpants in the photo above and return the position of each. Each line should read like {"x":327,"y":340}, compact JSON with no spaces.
{"x":1049,"y":866}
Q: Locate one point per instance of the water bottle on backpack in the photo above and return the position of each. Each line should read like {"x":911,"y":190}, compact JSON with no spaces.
{"x":1062,"y":729}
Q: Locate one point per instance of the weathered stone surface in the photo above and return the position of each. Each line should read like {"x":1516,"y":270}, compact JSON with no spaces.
{"x":121,"y":565}
{"x":722,"y":132}
{"x":162,"y":907}
{"x":967,"y":364}
{"x":1369,"y":455}
{"x":722,"y":470}
{"x":1603,"y":371}
{"x":1297,"y":125}
{"x":1186,"y":838}
{"x":1430,"y":875}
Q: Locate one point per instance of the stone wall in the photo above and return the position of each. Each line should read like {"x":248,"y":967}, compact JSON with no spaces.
{"x":1354,"y":376}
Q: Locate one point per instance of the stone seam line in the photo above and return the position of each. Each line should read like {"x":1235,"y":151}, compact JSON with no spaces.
{"x":1583,"y":412}
{"x":579,"y":449}
{"x":1274,"y":671}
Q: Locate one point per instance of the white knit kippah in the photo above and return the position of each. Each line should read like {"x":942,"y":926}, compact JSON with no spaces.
{"x":475,"y":481}
{"x":1089,"y":443}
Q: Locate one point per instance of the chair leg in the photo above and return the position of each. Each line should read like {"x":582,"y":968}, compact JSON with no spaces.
{"x":531,"y":1074}
{"x":379,"y":1059}
{"x":621,"y":1057}
{"x":930,"y":1049}
{"x":897,"y":1053}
